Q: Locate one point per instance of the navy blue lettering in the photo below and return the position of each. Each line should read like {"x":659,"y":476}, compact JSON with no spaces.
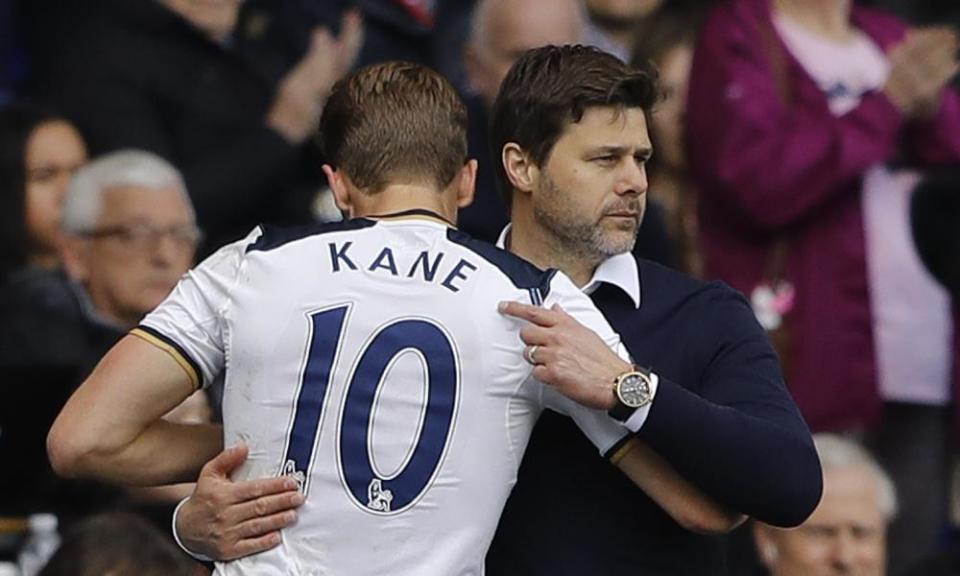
{"x":456,"y":273}
{"x":336,"y":255}
{"x":429,"y":271}
{"x":385,"y":256}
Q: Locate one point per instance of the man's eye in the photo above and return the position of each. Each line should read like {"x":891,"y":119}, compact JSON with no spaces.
{"x":607,"y":159}
{"x":43,"y":174}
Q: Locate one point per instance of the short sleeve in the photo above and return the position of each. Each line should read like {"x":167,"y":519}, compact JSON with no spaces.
{"x":189,"y":323}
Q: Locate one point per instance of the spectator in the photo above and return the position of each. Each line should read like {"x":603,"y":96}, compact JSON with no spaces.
{"x":423,"y":31}
{"x":612,"y":23}
{"x":801,"y":118}
{"x":38,"y":153}
{"x":229,"y":96}
{"x":847,"y":533}
{"x":665,"y":41}
{"x":129,"y":236}
{"x":501,"y":30}
{"x":116,"y":544}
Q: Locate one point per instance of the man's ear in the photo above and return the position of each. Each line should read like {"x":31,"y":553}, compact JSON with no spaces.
{"x":521,"y":170}
{"x":468,"y":184}
{"x":74,"y":252}
{"x":341,"y":192}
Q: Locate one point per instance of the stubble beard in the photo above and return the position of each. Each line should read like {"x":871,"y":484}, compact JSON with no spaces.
{"x":574,"y":233}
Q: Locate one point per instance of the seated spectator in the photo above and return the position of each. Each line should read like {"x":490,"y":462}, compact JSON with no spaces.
{"x":118,"y":544}
{"x":847,"y":533}
{"x":38,"y":154}
{"x":612,"y":23}
{"x":229,"y":92}
{"x":129,"y":234}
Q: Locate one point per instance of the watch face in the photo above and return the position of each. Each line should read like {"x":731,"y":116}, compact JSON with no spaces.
{"x":634,"y":390}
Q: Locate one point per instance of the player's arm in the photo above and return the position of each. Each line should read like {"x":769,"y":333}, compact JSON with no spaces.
{"x":112,"y":426}
{"x":683,"y":501}
{"x":578,"y":363}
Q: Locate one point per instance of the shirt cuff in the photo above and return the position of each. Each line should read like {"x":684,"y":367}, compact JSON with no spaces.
{"x":176,"y":537}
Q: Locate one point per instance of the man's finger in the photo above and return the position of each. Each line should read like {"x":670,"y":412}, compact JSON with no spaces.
{"x":253,"y":489}
{"x":226,"y":462}
{"x":536,"y":314}
{"x":267,"y":506}
{"x":254,"y":545}
{"x":535,"y":335}
{"x":258,"y":527}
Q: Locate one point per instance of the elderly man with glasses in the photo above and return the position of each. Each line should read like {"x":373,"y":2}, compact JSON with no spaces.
{"x":129,"y":234}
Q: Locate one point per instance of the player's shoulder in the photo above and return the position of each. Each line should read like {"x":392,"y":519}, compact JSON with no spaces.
{"x":519,"y":272}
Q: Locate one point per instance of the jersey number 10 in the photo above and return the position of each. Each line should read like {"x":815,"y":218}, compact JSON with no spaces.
{"x":364,"y":485}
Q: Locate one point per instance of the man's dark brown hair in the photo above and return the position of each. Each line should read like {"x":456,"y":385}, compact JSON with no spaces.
{"x":551,"y":86}
{"x":395,"y":122}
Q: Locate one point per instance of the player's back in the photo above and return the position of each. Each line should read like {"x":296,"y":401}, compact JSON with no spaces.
{"x":369,"y":360}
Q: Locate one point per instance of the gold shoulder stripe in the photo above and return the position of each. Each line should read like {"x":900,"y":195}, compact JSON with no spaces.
{"x":173,"y":352}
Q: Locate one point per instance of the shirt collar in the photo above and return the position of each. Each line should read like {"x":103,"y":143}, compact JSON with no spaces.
{"x":620,"y":271}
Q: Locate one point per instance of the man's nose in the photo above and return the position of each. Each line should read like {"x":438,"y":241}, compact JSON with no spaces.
{"x":632,"y":179}
{"x":844,"y":552}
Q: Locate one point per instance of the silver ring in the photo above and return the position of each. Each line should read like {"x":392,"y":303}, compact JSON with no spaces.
{"x":530,"y":354}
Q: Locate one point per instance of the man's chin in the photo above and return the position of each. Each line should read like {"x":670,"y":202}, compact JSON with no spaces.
{"x":618,"y":242}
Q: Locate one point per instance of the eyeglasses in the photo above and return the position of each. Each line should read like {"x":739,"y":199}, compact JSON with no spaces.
{"x":143,"y":236}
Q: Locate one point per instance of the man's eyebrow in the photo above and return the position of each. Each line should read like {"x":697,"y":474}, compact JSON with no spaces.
{"x":644,"y":152}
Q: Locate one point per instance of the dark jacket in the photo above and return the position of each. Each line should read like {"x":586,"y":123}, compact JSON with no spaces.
{"x":722,"y":417}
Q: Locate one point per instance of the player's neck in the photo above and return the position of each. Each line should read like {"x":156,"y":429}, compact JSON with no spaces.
{"x":402,"y":198}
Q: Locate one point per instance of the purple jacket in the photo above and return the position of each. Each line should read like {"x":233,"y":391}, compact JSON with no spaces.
{"x":770,"y":167}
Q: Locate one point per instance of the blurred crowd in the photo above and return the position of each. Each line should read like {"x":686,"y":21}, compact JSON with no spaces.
{"x":807,"y":152}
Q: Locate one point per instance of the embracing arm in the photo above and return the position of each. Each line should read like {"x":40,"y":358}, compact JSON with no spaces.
{"x":112,"y":427}
{"x":575,"y":361}
{"x":684,"y":502}
{"x":739,"y":436}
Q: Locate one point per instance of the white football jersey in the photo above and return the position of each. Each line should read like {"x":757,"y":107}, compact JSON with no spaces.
{"x":368,"y":360}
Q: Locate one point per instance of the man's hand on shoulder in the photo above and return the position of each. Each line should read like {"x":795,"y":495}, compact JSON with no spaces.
{"x":568,"y":355}
{"x":224,"y":520}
